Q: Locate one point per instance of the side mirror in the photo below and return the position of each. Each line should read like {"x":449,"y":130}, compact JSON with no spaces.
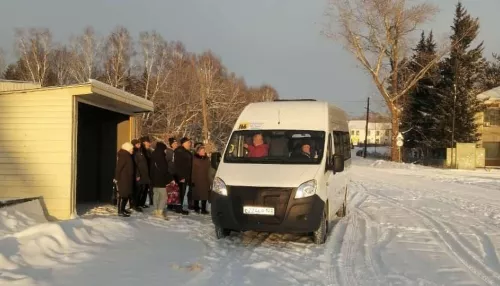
{"x":338,"y":163}
{"x":215,"y":160}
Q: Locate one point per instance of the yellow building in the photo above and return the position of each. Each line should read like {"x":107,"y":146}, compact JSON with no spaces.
{"x":489,"y":126}
{"x":60,"y":143}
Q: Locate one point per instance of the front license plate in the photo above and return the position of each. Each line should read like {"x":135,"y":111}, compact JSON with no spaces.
{"x":258,"y":211}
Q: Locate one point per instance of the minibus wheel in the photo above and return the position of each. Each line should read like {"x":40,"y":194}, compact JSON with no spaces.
{"x":319,"y":236}
{"x":221,"y":232}
{"x":342,"y":212}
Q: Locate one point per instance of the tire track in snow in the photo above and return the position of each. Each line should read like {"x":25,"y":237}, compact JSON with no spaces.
{"x":457,"y":202}
{"x":353,"y":236}
{"x":339,"y":242}
{"x":450,"y":239}
{"x":333,"y":251}
{"x":225,"y":265}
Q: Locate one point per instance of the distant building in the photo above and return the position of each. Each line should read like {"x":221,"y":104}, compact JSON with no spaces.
{"x":489,"y":126}
{"x":379,"y":133}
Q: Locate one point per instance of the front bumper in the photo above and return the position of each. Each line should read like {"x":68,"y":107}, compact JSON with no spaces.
{"x":291,"y":215}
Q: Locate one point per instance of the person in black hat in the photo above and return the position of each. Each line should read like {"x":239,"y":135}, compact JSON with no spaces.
{"x":142,"y":177}
{"x":136,"y":143}
{"x":304,"y":152}
{"x":147,"y":151}
{"x":183,"y":164}
{"x":172,"y":145}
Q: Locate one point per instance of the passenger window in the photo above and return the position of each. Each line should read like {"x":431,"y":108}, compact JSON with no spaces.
{"x":337,"y":143}
{"x":329,"y":151}
{"x":347,"y":145}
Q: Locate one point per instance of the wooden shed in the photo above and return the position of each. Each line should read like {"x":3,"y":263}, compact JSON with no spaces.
{"x":60,"y":143}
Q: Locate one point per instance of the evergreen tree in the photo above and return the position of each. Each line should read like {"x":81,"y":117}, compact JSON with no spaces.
{"x":460,"y":74}
{"x":423,"y":101}
{"x":491,"y":78}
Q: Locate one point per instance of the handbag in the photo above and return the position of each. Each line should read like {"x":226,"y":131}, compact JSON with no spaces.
{"x":173,"y":194}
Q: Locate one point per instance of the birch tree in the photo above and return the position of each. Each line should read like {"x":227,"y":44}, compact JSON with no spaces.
{"x":60,"y":61}
{"x":117,"y":56}
{"x":85,"y":50}
{"x":34,"y":47}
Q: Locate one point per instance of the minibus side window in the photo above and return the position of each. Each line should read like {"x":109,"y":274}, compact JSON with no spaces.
{"x":329,"y":151}
{"x":347,"y":145}
{"x":337,"y":143}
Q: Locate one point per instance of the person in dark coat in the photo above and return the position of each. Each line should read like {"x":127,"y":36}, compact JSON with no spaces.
{"x":124,"y":176}
{"x":160,"y":178}
{"x":200,"y":179}
{"x":141,"y":175}
{"x":169,"y":155}
{"x":183,"y":163}
{"x":147,"y":151}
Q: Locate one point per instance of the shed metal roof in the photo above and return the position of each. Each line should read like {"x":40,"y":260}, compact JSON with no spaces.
{"x":99,"y":94}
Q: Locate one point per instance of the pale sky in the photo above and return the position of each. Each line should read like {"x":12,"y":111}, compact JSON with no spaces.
{"x":266,"y":41}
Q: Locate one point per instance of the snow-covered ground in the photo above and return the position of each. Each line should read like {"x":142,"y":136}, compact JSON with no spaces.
{"x":407,"y":225}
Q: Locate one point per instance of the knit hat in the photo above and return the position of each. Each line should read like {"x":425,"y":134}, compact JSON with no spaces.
{"x":184,"y":140}
{"x":171,"y":141}
{"x":135,"y":142}
{"x":127,"y":146}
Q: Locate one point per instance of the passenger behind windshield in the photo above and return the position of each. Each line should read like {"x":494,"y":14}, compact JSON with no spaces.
{"x":259,"y":149}
{"x":275,"y":147}
{"x":304,"y":153}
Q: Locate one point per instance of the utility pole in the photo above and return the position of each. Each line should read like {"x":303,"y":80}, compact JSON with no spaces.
{"x":453,"y":163}
{"x":366,"y":126}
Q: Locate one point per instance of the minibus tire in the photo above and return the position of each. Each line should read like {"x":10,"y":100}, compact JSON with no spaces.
{"x":319,"y":236}
{"x":221,"y":232}
{"x":342,"y":212}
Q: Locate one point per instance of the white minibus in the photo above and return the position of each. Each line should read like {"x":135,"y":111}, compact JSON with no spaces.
{"x":285,"y":169}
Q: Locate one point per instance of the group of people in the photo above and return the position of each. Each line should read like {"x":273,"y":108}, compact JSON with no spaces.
{"x":143,"y":172}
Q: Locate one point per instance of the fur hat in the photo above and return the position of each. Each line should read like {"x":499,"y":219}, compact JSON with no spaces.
{"x":127,"y":146}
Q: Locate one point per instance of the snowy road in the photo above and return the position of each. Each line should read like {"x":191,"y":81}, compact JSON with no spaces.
{"x":406,"y":226}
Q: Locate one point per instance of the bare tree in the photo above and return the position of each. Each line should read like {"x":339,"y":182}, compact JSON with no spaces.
{"x":378,"y":34}
{"x":60,"y":61}
{"x":208,"y":69}
{"x":85,"y":50}
{"x":118,"y":53}
{"x":34,"y":47}
{"x":2,"y":63}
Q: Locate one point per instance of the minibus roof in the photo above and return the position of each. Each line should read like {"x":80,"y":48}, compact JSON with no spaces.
{"x":292,"y":115}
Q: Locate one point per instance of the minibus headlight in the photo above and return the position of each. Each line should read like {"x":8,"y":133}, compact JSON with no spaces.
{"x":305,"y":190}
{"x":219,"y":187}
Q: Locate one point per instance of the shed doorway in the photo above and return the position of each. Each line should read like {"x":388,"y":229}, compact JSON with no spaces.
{"x":99,"y":135}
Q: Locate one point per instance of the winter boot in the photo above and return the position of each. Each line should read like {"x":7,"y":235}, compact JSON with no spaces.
{"x":121,"y":208}
{"x":180,"y":210}
{"x":204,"y":208}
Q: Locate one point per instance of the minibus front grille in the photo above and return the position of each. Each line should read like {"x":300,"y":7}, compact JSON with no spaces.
{"x":276,"y":198}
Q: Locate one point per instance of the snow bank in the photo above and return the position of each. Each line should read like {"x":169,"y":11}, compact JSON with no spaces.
{"x":15,"y":218}
{"x":394,"y":165}
{"x":32,"y":255}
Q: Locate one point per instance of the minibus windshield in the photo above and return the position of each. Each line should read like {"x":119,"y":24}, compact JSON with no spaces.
{"x":275,"y":147}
